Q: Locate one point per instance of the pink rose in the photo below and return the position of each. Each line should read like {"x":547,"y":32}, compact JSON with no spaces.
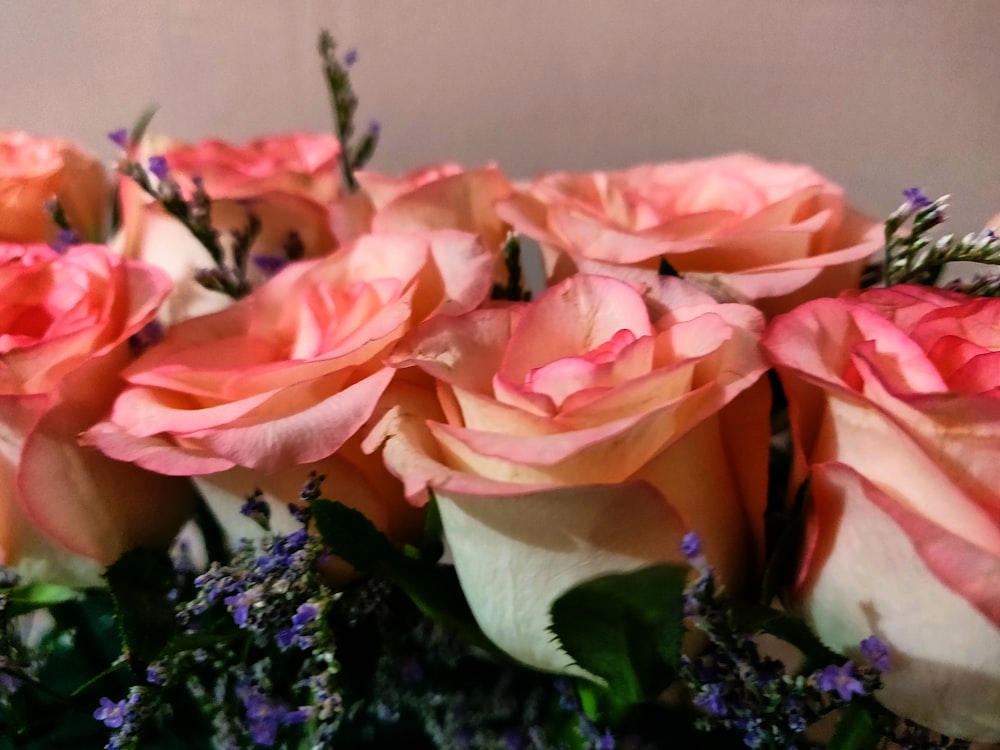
{"x":442,"y":196}
{"x":893,"y":395}
{"x":747,"y":230}
{"x":65,"y":324}
{"x":298,"y":164}
{"x":33,"y":171}
{"x":283,"y":381}
{"x":287,"y":182}
{"x":585,"y":433}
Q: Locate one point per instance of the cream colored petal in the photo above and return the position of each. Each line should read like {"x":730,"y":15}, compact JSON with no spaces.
{"x":516,"y":555}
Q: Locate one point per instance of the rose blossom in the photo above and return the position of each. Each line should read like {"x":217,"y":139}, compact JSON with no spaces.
{"x":893,"y":397}
{"x":288,"y":182}
{"x":296,"y":163}
{"x":441,"y":196}
{"x":65,"y":324}
{"x":274,"y":386}
{"x":585,"y":433}
{"x":34,"y":171}
{"x":747,"y":230}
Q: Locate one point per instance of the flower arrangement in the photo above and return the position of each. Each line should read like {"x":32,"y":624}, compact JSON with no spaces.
{"x":293,"y":455}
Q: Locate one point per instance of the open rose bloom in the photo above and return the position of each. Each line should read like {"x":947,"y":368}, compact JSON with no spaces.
{"x":444,"y":196}
{"x":35,"y":171}
{"x":581,"y":434}
{"x":281,"y":383}
{"x":287,"y":182}
{"x":748,"y":230}
{"x":893,"y":395}
{"x":65,"y":325}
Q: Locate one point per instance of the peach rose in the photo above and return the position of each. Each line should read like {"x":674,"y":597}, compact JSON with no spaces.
{"x":893,"y":396}
{"x":297,"y":163}
{"x":441,"y":196}
{"x":33,"y":171}
{"x":65,"y":325}
{"x":585,"y":433}
{"x":281,"y":383}
{"x":745,"y":229}
{"x":287,"y":182}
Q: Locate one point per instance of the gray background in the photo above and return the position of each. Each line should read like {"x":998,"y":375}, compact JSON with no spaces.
{"x":878,"y":94}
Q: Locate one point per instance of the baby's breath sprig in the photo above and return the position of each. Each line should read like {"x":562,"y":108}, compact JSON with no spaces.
{"x":913,"y":258}
{"x":353,"y":155}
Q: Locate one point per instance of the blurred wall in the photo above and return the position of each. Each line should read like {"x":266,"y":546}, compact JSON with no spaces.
{"x":878,"y":94}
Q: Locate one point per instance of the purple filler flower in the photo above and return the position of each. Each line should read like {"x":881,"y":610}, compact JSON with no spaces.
{"x":112,"y":714}
{"x":159,"y":167}
{"x":916,"y":198}
{"x":712,"y":700}
{"x":306,"y":613}
{"x":840,"y":680}
{"x":269,"y":265}
{"x":691,"y":545}
{"x":876,"y":653}
{"x":119,"y":137}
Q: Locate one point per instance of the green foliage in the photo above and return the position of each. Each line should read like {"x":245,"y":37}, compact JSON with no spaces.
{"x":344,"y":101}
{"x":140,"y":582}
{"x":38,"y":595}
{"x":855,"y":730}
{"x":433,"y":588}
{"x":911,"y":257}
{"x":626,"y":629}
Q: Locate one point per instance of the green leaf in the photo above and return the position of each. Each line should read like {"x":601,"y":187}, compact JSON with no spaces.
{"x":756,"y":618}
{"x":32,"y":596}
{"x":433,"y":588}
{"x":140,"y":581}
{"x":625,"y":628}
{"x":141,"y":124}
{"x":855,"y":730}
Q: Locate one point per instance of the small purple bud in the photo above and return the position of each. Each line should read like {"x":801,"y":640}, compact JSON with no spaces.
{"x":350,"y":58}
{"x":155,"y":675}
{"x":159,"y":167}
{"x":119,"y":137}
{"x":691,"y":545}
{"x":876,"y":653}
{"x":375,"y":128}
{"x":110,"y":713}
{"x":711,"y":700}
{"x":306,"y":613}
{"x":269,"y":265}
{"x":285,"y":638}
{"x":65,"y":240}
{"x":840,"y":680}
{"x":916,"y":198}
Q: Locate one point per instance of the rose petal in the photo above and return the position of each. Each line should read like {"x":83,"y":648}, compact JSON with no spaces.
{"x":544,"y":544}
{"x":945,"y":661}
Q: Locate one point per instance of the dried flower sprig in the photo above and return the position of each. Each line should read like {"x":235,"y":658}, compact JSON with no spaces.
{"x":742,"y":691}
{"x":913,"y":258}
{"x":353,"y":155}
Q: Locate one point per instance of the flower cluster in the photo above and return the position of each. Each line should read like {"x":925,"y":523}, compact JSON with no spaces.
{"x":698,"y":379}
{"x":740,"y":689}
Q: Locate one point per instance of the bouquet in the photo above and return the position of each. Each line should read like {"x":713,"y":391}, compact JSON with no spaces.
{"x":298,"y":454}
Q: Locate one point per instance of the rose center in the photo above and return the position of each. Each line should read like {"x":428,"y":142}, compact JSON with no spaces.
{"x":566,"y":376}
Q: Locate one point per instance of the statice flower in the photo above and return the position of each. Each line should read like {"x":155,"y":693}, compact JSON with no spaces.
{"x":741,"y":690}
{"x":127,"y":717}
